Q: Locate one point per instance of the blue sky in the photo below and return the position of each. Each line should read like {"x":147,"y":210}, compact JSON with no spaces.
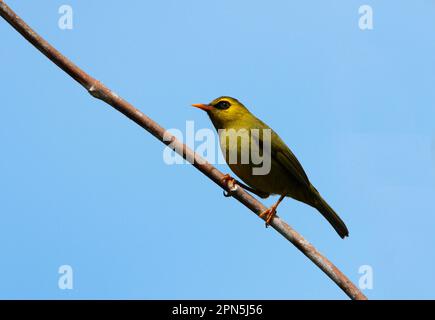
{"x":81,"y":185}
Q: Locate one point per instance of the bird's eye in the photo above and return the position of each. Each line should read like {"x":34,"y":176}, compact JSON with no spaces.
{"x":223,"y":105}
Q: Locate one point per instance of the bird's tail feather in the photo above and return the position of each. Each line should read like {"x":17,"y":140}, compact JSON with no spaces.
{"x":331,"y":216}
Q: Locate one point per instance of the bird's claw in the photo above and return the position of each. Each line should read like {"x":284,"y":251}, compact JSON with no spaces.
{"x":227,"y":194}
{"x":270,"y":214}
{"x":231,"y":184}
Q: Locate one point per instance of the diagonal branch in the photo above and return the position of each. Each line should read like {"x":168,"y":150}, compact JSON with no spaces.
{"x":100,"y":91}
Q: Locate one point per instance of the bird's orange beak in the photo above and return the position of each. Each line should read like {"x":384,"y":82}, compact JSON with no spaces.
{"x":202,"y":106}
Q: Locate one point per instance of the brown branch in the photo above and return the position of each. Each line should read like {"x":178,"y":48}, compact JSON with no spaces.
{"x":100,"y":91}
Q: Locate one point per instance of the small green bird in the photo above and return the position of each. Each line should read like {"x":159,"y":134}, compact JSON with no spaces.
{"x":286,"y":177}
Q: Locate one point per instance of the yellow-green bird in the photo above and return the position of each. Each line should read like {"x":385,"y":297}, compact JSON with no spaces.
{"x":286,"y":176}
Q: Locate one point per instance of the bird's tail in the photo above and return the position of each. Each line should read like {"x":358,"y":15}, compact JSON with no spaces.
{"x":331,"y":216}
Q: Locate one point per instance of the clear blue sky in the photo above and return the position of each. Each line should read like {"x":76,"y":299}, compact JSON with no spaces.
{"x":84,"y":186}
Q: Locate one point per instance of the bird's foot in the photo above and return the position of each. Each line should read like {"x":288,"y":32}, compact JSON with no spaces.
{"x":231,"y":184}
{"x":271,"y":212}
{"x":268,"y":215}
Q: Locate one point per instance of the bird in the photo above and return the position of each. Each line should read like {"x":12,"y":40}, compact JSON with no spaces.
{"x":286,"y":176}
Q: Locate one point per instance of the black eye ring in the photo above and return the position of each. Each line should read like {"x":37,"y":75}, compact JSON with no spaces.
{"x":222,"y":105}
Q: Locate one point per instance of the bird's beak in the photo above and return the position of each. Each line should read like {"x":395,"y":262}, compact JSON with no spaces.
{"x":202,"y":106}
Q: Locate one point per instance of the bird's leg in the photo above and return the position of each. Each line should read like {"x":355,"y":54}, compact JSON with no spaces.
{"x":231,"y":183}
{"x":271,"y":212}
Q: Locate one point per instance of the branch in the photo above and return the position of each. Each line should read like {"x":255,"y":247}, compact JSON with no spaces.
{"x":100,"y":91}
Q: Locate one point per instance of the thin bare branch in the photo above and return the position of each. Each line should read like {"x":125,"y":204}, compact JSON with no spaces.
{"x":100,"y":91}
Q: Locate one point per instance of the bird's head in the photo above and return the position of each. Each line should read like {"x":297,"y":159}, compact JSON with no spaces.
{"x":224,"y":110}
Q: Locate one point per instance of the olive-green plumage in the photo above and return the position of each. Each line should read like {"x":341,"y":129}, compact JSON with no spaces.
{"x":286,"y":175}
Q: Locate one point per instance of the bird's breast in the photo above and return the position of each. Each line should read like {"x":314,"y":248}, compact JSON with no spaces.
{"x":254,"y":167}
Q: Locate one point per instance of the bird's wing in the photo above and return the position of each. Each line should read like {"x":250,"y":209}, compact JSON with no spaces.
{"x":283,"y":155}
{"x":288,"y":160}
